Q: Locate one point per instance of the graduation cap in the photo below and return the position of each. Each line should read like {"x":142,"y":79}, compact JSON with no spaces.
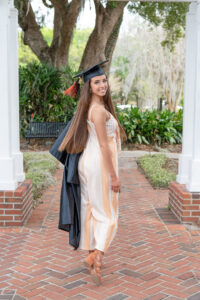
{"x":86,"y":75}
{"x":92,"y":72}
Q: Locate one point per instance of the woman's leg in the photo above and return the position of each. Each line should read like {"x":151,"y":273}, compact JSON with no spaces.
{"x":89,"y":260}
{"x":96,"y":271}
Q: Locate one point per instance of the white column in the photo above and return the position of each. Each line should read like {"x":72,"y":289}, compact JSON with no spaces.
{"x":11,"y":170}
{"x":193,"y":184}
{"x":189,"y":95}
{"x":7,"y":174}
{"x":14,"y":91}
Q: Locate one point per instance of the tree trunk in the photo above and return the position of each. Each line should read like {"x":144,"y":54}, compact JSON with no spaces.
{"x":168,"y":98}
{"x":65,"y":17}
{"x":178,"y":96}
{"x":112,"y":40}
{"x":102,"y":41}
{"x":63,"y":32}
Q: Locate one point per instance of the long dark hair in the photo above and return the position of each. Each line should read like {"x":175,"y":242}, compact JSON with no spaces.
{"x":77,"y":134}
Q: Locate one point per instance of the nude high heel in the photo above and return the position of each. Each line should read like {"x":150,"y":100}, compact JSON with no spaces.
{"x":89,"y":260}
{"x":95,"y":271}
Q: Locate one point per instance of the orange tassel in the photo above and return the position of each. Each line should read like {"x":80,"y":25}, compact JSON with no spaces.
{"x":73,"y":89}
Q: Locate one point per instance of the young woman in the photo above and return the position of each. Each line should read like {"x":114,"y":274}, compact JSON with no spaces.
{"x":95,"y":131}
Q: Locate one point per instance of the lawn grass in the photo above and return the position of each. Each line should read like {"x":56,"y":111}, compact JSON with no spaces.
{"x":40,"y":167}
{"x":159,"y":169}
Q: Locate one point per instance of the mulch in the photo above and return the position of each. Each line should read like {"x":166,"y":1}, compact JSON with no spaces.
{"x":45,"y":145}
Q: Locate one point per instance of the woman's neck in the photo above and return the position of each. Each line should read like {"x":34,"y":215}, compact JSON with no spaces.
{"x":97,"y":100}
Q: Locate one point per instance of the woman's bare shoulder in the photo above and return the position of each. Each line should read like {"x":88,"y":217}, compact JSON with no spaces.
{"x":98,"y":113}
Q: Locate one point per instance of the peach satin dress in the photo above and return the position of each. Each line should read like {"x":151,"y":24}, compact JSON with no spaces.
{"x":99,"y":204}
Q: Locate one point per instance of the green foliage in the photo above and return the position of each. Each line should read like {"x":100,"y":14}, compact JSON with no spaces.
{"x":170,"y":15}
{"x":109,"y":3}
{"x":25,"y":54}
{"x":121,"y":65}
{"x":151,"y":127}
{"x":39,"y":168}
{"x":77,"y":46}
{"x":112,"y":4}
{"x":41,"y":94}
{"x":47,"y":34}
{"x":182,"y":98}
{"x":153,"y":166}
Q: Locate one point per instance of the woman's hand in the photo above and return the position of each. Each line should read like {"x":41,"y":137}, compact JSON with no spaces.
{"x":115,"y":184}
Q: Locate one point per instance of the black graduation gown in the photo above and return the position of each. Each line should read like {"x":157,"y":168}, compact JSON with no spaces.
{"x":70,"y":198}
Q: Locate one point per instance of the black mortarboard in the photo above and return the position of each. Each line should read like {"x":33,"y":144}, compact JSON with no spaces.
{"x":92,"y":72}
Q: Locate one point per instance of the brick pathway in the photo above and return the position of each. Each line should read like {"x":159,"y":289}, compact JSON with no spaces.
{"x":152,"y":256}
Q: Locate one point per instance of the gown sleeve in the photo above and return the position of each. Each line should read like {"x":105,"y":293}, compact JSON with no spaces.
{"x":60,"y":155}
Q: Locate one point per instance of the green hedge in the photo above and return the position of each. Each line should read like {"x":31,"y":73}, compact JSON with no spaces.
{"x":41,"y":94}
{"x":151,"y":127}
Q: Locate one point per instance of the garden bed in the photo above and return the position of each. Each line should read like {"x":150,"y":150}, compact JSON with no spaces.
{"x":40,"y":168}
{"x":45,"y":145}
{"x":158,"y":169}
{"x":175,"y":148}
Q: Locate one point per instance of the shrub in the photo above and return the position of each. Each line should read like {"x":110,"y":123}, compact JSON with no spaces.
{"x":151,"y":127}
{"x":41,"y":95}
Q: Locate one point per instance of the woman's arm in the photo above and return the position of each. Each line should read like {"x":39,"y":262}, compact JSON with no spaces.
{"x":99,"y":120}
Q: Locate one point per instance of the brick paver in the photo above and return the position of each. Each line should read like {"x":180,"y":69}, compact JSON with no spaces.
{"x":152,"y":257}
